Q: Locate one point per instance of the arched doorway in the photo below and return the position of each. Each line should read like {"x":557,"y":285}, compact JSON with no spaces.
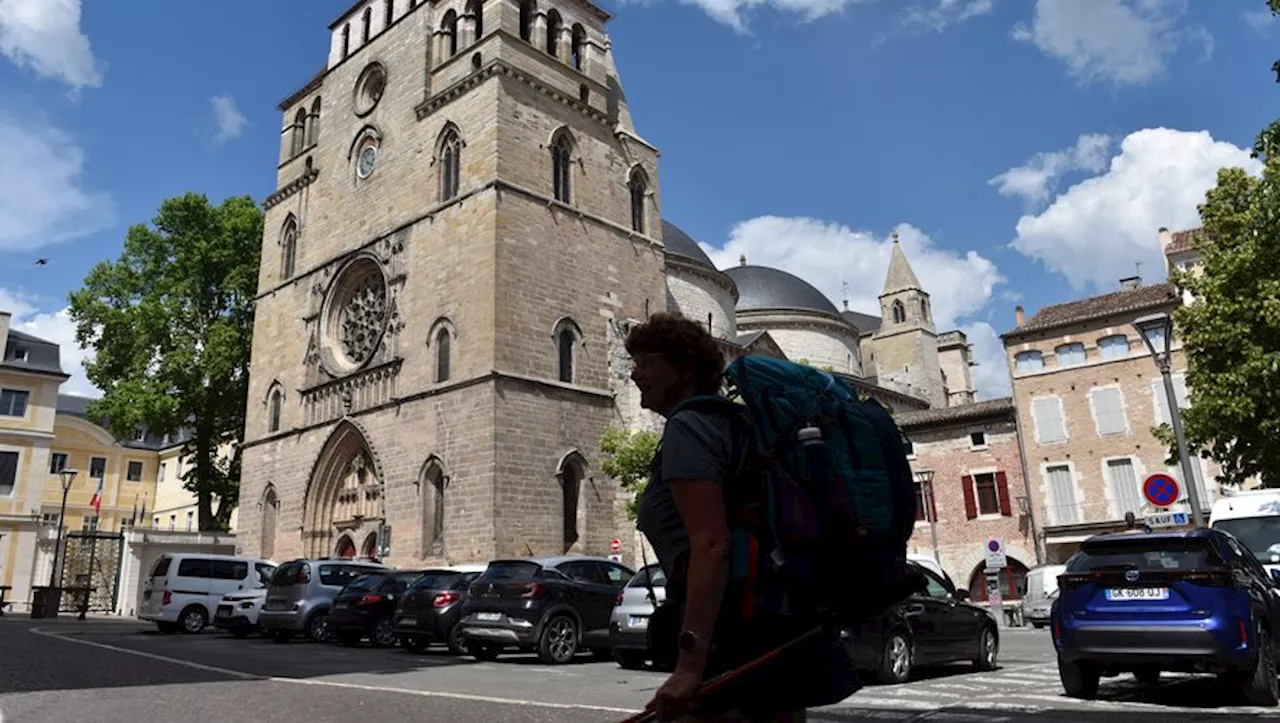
{"x":370,"y":546}
{"x":346,"y":548}
{"x":1013,"y":582}
{"x":345,"y":492}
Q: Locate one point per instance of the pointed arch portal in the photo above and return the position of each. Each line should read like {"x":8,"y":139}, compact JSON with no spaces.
{"x":344,"y":496}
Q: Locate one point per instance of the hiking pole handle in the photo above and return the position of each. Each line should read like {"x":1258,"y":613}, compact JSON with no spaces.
{"x":648,"y":715}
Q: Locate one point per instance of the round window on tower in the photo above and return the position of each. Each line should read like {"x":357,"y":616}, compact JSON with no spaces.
{"x":370,"y":86}
{"x":355,"y":315}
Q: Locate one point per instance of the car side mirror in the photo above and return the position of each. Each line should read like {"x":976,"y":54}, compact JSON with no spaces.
{"x":962,"y":594}
{"x":1275,"y":577}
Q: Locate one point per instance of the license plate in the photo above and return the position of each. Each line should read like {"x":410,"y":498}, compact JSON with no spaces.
{"x":638,"y":621}
{"x":341,"y":606}
{"x":405,"y":621}
{"x":488,"y":617}
{"x":1138,"y":593}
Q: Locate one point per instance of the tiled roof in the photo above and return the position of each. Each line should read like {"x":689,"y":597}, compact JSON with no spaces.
{"x":1098,"y":307}
{"x":1183,"y":240}
{"x":942,"y":416}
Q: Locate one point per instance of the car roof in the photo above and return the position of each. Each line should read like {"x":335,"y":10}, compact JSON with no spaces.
{"x":553,"y":560}
{"x":1195,"y":533}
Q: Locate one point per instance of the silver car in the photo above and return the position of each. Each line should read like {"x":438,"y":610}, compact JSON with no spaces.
{"x":629,"y":624}
{"x":1036,"y":612}
{"x":301,"y":592}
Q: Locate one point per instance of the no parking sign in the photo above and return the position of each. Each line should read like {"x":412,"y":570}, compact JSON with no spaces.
{"x":1161,"y":490}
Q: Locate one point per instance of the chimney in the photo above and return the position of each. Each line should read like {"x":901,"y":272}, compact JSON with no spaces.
{"x":4,"y":333}
{"x":1018,"y":313}
{"x":742,"y":259}
{"x":1166,"y":238}
{"x":1129,"y":283}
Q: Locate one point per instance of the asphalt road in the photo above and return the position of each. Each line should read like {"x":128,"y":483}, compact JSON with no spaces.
{"x":118,"y":671}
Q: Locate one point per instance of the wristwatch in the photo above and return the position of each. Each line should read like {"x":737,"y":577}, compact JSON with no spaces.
{"x":691,"y":642}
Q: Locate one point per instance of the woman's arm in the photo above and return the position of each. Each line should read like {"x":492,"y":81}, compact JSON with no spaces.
{"x":702,"y":508}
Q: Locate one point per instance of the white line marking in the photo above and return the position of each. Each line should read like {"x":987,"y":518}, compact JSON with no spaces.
{"x":357,"y":686}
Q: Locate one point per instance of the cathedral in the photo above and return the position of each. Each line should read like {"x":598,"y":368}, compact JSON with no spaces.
{"x":466,"y":222}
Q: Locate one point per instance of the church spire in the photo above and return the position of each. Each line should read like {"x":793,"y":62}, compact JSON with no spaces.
{"x":900,"y":276}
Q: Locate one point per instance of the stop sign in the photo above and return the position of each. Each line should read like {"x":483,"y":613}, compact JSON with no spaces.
{"x":616,"y":545}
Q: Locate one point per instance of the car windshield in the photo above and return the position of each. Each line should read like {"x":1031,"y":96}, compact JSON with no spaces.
{"x":647,"y":576}
{"x":1260,"y":534}
{"x":511,"y":571}
{"x":434,"y":580}
{"x":1144,"y":553}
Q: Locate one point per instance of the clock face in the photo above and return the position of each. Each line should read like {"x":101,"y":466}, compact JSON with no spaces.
{"x":368,"y":159}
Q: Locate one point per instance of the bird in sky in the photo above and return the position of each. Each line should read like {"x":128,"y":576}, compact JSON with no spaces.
{"x":41,"y":262}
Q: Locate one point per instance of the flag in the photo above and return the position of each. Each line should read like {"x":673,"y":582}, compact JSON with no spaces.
{"x":133,"y":516}
{"x":143,"y":516}
{"x":97,"y":497}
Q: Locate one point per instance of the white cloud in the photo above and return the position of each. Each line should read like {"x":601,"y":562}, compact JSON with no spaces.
{"x":227,"y":116}
{"x":1260,"y":19}
{"x":56,"y":327}
{"x":45,"y":36}
{"x":1126,"y":42}
{"x":1035,"y":179}
{"x":990,"y":371}
{"x":1095,"y":231}
{"x":733,"y":12}
{"x":42,"y":197}
{"x":828,"y":255}
{"x":938,"y":14}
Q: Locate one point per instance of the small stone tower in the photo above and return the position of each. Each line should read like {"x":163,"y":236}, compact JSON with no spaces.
{"x":906,"y":344}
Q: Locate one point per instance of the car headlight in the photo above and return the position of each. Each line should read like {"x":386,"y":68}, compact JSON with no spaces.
{"x":246,"y":604}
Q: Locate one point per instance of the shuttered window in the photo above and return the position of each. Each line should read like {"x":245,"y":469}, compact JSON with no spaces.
{"x":1047,"y":412}
{"x":1108,"y":410}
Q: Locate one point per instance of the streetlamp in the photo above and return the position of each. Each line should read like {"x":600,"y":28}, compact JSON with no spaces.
{"x":924,"y":480}
{"x":1157,"y":332}
{"x":53,"y":601}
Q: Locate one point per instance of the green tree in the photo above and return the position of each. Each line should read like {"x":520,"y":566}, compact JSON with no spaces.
{"x":1231,"y":334}
{"x":171,"y":322}
{"x":627,"y":457}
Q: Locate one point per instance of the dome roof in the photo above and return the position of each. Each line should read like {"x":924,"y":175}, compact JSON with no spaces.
{"x":761,"y":287}
{"x":679,"y":243}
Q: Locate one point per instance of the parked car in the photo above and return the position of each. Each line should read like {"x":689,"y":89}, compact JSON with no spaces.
{"x":301,"y":593}
{"x":365,"y":608}
{"x":936,"y":626}
{"x":629,"y":623}
{"x":238,"y":613}
{"x":1193,"y":601}
{"x":430,"y":610}
{"x":184,"y":589}
{"x":1042,"y":590}
{"x":554,"y":606}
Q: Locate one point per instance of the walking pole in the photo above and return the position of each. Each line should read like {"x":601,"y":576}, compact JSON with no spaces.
{"x":648,"y":715}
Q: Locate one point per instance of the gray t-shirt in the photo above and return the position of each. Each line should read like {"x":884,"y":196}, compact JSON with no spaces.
{"x":696,"y":445}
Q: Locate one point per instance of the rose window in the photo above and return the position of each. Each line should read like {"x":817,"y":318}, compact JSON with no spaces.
{"x":356,"y":315}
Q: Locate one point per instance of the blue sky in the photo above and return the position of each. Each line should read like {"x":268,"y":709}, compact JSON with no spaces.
{"x":1026,"y":151}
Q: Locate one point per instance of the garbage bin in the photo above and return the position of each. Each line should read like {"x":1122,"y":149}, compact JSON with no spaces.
{"x":45,"y":601}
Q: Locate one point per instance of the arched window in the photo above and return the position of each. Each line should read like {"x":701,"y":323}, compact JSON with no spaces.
{"x":1013,"y":582}
{"x":275,"y":404}
{"x":450,"y":155}
{"x":345,"y":548}
{"x":370,"y":546}
{"x":443,"y":353}
{"x":299,"y":131}
{"x":475,"y":8}
{"x":270,"y":514}
{"x":571,"y":475}
{"x":388,"y":12}
{"x":431,"y":488}
{"x":637,"y":185}
{"x":564,"y":347}
{"x":449,"y":26}
{"x":527,"y":10}
{"x":899,"y":312}
{"x":313,"y":129}
{"x":366,"y":28}
{"x":924,"y":310}
{"x":561,"y":166}
{"x":346,"y":40}
{"x":288,"y":248}
{"x":553,"y":32}
{"x":577,"y":52}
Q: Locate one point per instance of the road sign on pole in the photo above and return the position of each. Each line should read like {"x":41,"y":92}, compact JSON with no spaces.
{"x":996,"y":558}
{"x":615,"y":546}
{"x":1160,"y":489}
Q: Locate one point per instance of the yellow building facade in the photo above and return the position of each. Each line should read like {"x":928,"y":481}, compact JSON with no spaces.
{"x":175,"y":507}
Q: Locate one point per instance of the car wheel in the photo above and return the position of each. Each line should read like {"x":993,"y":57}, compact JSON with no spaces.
{"x":456,"y":641}
{"x":383,"y":636}
{"x":895,"y":659}
{"x":559,"y":641}
{"x":482,"y":652}
{"x":193,"y":619}
{"x":413,"y":643}
{"x":1079,"y":680}
{"x":318,"y":628}
{"x":988,"y":650}
{"x":629,"y":659}
{"x":1261,"y":687}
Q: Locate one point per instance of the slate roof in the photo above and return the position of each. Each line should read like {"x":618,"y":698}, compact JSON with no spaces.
{"x":78,"y":406}
{"x":943,"y":416}
{"x":1125,"y":301}
{"x":1183,"y":241}
{"x":41,"y":356}
{"x":762,"y":287}
{"x":681,"y":244}
{"x":866,"y":323}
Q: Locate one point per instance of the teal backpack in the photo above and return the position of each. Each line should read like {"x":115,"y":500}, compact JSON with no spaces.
{"x":824,"y":505}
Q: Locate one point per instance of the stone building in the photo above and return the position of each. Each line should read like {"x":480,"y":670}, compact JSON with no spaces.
{"x":466,"y":224}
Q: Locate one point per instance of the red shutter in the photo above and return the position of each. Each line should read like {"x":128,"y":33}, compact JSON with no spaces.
{"x":970,"y":504}
{"x":1002,"y":492}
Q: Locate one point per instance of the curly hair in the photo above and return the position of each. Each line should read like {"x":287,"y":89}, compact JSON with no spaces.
{"x":684,"y":344}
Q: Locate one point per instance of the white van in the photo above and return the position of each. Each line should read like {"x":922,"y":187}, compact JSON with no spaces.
{"x":1042,"y":588}
{"x":1253,"y":517}
{"x":184,"y":588}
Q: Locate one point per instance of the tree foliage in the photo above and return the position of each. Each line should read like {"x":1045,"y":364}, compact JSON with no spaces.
{"x":1231,"y":334}
{"x":171,"y":324}
{"x":626,"y":457}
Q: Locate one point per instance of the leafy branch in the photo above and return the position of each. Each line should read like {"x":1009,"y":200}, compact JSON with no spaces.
{"x":627,"y":457}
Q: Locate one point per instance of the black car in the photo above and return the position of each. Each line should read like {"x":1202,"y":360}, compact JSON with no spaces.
{"x":554,"y":606}
{"x":364,"y":608}
{"x":936,"y":626}
{"x":429,"y":610}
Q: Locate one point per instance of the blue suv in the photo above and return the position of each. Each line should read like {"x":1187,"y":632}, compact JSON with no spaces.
{"x":1188,"y":601}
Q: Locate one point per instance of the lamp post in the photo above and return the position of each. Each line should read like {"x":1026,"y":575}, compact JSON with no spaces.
{"x":67,"y":477}
{"x":924,"y":479}
{"x":1157,"y":332}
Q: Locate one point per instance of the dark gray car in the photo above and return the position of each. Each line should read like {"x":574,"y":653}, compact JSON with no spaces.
{"x":301,"y":592}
